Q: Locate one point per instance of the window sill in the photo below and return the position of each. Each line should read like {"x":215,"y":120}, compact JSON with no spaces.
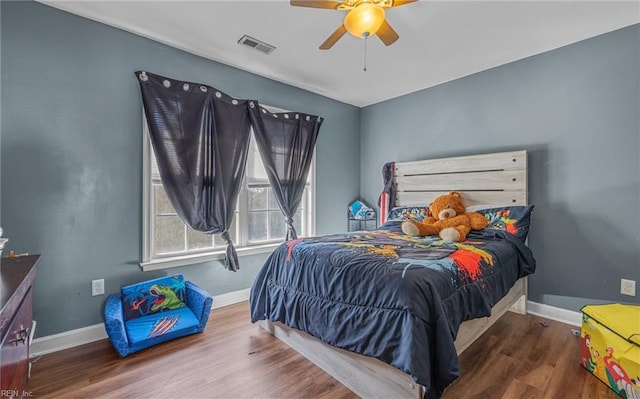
{"x":185,"y":260}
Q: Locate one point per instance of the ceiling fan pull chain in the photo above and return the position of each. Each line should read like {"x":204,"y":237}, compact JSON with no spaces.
{"x":365,"y":54}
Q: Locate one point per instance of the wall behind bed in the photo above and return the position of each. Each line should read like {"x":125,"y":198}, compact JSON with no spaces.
{"x":576,"y":110}
{"x":72,"y":155}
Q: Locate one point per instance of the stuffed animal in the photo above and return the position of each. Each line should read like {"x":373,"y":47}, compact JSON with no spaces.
{"x":448,"y":219}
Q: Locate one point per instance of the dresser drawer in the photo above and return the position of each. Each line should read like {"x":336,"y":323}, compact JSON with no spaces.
{"x":14,"y":353}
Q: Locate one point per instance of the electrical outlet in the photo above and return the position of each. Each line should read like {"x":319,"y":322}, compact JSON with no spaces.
{"x":628,"y":287}
{"x":97,"y":287}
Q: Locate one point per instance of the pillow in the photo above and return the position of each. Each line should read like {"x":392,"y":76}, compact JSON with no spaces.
{"x":417,"y":213}
{"x":512,"y":219}
{"x":153,"y":296}
{"x":477,"y":208}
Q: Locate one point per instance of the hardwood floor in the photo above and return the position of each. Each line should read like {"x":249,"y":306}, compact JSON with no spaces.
{"x":517,"y":358}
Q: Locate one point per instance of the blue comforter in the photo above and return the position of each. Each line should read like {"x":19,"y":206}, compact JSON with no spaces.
{"x":383,"y":294}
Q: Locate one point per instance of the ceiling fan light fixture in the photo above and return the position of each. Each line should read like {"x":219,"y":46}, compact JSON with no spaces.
{"x":364,"y":20}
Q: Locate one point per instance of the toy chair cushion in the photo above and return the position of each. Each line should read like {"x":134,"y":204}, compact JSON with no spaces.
{"x":168,"y":324}
{"x":149,"y":297}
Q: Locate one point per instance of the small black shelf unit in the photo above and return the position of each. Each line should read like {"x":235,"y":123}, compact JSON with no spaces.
{"x":368,"y":223}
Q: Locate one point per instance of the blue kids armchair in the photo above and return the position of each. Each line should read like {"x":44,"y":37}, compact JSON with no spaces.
{"x":155,"y":311}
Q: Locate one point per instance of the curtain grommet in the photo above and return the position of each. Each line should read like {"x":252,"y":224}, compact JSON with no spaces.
{"x":264,"y":111}
{"x":218,"y":94}
{"x":308,"y":118}
{"x":319,"y":119}
{"x":297,"y":116}
{"x":286,"y":116}
{"x":251,"y":104}
{"x":185,"y":87}
{"x":234,"y":102}
{"x":203,"y":89}
{"x":166,"y":83}
{"x":143,"y":76}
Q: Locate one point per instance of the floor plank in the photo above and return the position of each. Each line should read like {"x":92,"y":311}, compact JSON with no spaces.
{"x":517,"y":358}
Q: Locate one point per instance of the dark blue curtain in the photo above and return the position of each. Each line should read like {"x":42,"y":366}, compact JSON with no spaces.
{"x":200,"y":137}
{"x":286,"y":142}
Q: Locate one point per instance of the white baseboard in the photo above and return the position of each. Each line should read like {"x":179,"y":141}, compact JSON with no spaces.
{"x":96,"y":332}
{"x":553,"y":313}
{"x":80,"y":336}
{"x":67,"y":339}
{"x":230,"y":298}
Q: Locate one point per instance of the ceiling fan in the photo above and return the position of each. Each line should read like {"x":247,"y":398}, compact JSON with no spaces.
{"x":363,"y":19}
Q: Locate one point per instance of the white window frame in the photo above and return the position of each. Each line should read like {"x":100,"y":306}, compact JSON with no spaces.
{"x":150,"y":262}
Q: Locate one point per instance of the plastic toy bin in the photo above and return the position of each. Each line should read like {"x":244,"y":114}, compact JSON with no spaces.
{"x":610,"y":346}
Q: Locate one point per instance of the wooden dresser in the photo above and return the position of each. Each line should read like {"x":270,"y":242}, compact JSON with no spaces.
{"x":16,"y":316}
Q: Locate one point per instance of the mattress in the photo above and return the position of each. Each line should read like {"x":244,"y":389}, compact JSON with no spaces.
{"x":384,"y":294}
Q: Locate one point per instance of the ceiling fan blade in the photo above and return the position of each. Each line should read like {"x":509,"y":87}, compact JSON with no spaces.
{"x":398,"y":3}
{"x":332,"y":5}
{"x":335,"y":36}
{"x":387,"y":34}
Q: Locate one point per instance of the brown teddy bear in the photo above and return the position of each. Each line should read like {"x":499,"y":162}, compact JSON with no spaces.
{"x":449,"y":220}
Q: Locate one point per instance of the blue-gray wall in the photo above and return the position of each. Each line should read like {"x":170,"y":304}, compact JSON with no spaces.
{"x":72,"y":155}
{"x":576,"y":110}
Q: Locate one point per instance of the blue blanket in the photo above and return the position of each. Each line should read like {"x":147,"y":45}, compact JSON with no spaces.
{"x":384,"y":294}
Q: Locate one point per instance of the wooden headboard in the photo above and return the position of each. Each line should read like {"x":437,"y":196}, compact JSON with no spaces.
{"x":498,"y":178}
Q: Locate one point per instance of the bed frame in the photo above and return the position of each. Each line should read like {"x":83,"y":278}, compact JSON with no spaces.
{"x":499,"y":179}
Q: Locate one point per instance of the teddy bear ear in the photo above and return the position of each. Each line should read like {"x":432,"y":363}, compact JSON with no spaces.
{"x":455,"y":194}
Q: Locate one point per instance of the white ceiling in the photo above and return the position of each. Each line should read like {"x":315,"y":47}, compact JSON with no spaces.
{"x":439,"y":40}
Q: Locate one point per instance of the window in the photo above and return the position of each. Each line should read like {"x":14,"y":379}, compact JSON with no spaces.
{"x":265,"y":222}
{"x":258,"y":225}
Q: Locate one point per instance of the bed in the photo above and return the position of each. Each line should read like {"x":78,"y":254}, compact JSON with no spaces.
{"x":386,"y":314}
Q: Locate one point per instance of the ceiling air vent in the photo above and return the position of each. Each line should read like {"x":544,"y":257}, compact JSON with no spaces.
{"x":256,"y":44}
